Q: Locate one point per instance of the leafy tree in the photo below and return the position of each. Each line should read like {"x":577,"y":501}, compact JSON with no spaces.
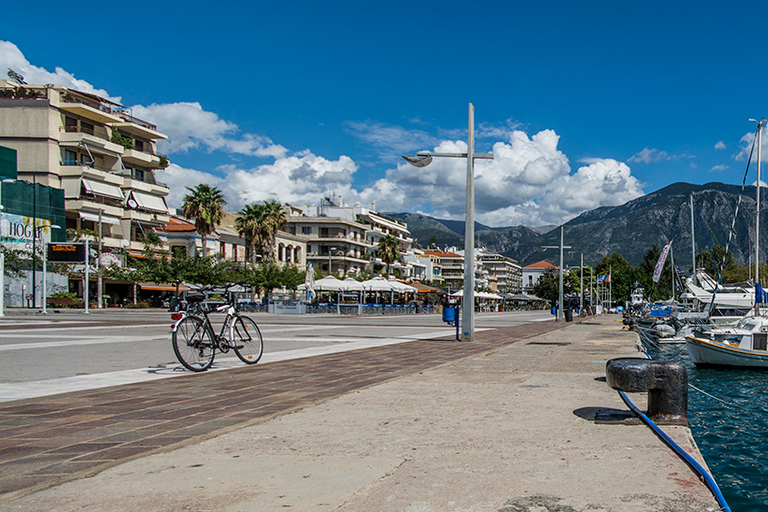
{"x":711,"y":262}
{"x":389,"y":251}
{"x":292,"y":277}
{"x":205,"y":205}
{"x":548,"y":286}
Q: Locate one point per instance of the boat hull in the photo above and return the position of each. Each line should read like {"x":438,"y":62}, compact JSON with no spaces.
{"x":711,"y":353}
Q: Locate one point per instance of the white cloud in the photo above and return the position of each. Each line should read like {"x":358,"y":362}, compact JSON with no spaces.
{"x":300,"y":179}
{"x":720,"y":145}
{"x":528,"y":182}
{"x":718,"y":168}
{"x":190,"y":127}
{"x":648,"y":155}
{"x":12,"y":58}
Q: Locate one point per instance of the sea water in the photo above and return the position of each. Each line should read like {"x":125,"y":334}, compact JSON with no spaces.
{"x":728,"y":416}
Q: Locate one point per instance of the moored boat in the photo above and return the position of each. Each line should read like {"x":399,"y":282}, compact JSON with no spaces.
{"x":744,"y":345}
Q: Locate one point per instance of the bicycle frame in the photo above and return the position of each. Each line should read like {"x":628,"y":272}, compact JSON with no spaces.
{"x":229,"y":322}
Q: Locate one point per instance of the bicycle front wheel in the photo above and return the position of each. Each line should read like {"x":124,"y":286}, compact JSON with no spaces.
{"x":193,"y":344}
{"x":247,"y":335}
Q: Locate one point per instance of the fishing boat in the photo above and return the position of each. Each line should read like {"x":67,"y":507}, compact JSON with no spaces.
{"x":744,"y":345}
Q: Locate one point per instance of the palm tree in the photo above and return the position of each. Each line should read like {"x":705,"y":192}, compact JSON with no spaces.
{"x":389,"y":251}
{"x":258,"y":224}
{"x":247,"y":227}
{"x":205,"y":205}
{"x":273,"y":218}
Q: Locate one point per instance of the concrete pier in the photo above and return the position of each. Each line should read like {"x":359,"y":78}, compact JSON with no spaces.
{"x":505,"y":423}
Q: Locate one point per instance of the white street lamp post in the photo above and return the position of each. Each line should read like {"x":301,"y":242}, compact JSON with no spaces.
{"x":560,"y":273}
{"x":422,"y":159}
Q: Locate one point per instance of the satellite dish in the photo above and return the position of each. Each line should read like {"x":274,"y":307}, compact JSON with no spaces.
{"x":132,"y":203}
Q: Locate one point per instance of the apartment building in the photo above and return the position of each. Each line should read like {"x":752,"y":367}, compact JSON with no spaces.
{"x":450,"y":266}
{"x":503,"y":274}
{"x":94,"y":149}
{"x":343,"y":239}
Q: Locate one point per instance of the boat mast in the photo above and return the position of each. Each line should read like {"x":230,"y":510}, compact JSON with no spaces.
{"x":693,"y":245}
{"x":757,"y":207}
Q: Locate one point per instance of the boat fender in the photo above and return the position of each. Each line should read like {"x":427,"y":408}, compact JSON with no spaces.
{"x":665,"y":382}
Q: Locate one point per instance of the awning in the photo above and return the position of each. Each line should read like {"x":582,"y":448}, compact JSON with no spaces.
{"x":149,"y":202}
{"x":163,"y":287}
{"x":94,"y":217}
{"x":100,"y":188}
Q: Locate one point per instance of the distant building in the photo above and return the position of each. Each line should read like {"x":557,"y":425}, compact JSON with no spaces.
{"x":450,"y":264}
{"x":531,"y":273}
{"x":503,"y":274}
{"x":343,"y":239}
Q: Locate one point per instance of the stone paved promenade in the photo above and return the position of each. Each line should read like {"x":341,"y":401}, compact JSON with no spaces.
{"x":501,"y":424}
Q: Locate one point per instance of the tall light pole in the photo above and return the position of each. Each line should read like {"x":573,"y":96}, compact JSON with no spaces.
{"x":422,"y":159}
{"x":2,"y":253}
{"x":581,"y":285}
{"x":560,"y":273}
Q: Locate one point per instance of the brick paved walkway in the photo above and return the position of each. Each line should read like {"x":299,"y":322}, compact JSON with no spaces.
{"x":49,"y":440}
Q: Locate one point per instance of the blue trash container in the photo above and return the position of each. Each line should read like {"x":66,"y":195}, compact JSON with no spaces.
{"x":449,"y":314}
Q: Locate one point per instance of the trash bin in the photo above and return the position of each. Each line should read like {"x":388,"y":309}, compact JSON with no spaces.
{"x":568,"y":315}
{"x":449,"y":314}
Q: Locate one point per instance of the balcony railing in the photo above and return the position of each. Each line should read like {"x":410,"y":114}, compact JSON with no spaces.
{"x":135,"y":120}
{"x":108,"y":107}
{"x":74,"y":163}
{"x":72,"y":97}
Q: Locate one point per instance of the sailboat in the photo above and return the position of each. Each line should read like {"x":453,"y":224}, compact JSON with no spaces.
{"x":744,"y":345}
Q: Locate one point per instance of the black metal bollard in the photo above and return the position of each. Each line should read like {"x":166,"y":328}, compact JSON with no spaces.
{"x":666,"y":383}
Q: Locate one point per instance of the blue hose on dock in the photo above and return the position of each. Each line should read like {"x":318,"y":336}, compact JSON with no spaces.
{"x":695,"y":466}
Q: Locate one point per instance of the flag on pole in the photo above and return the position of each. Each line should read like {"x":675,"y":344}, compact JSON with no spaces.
{"x":660,"y":263}
{"x":607,"y":278}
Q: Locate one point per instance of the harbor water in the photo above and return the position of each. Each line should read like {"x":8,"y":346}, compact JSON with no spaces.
{"x":727,"y":413}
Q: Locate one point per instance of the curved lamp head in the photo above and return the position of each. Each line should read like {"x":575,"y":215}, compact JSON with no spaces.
{"x":420,"y":160}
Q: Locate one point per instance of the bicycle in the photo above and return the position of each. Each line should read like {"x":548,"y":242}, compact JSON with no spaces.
{"x":195,"y":343}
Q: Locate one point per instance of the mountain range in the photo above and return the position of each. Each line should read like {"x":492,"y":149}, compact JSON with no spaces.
{"x":629,"y":229}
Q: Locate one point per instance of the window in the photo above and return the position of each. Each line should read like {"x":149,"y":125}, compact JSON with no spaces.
{"x":70,"y":124}
{"x":306,"y":230}
{"x":70,"y":157}
{"x":86,"y":127}
{"x":223,"y":250}
{"x":138,"y":174}
{"x":139,"y":145}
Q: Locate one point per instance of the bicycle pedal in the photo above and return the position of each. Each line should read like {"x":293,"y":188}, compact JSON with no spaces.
{"x":237,"y":347}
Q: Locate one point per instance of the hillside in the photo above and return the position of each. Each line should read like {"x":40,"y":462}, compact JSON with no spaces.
{"x":630,"y":229}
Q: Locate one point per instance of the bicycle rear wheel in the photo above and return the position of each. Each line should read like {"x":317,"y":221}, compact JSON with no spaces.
{"x":247,"y":335}
{"x":193,"y":344}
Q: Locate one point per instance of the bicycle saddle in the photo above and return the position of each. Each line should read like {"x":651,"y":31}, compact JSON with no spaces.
{"x":195,"y":297}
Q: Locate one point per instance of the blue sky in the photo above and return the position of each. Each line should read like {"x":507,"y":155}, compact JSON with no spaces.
{"x":583,"y":104}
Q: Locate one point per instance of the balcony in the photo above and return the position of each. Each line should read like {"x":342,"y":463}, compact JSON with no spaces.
{"x":150,"y":187}
{"x":85,"y":204}
{"x":89,"y":107}
{"x":143,"y":158}
{"x":73,"y":136}
{"x":80,"y":169}
{"x":154,"y":219}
